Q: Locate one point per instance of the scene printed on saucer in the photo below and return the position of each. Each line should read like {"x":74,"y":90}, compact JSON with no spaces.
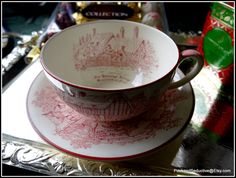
{"x":69,"y":131}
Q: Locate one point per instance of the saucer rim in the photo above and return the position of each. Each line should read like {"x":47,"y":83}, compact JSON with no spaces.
{"x":121,"y":158}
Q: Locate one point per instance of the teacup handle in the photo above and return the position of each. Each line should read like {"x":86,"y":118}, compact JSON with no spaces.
{"x":189,"y":54}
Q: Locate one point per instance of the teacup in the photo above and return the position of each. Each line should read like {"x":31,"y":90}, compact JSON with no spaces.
{"x":113,"y":70}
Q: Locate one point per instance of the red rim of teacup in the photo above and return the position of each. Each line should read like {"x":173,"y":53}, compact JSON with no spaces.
{"x":102,"y":89}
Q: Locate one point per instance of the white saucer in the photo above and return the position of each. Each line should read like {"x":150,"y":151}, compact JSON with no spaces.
{"x":72,"y":133}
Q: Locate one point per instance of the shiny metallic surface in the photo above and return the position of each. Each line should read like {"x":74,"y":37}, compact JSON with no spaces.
{"x":46,"y":160}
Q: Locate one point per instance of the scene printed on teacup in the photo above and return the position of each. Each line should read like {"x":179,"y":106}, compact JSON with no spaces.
{"x":121,"y":61}
{"x":115,"y":106}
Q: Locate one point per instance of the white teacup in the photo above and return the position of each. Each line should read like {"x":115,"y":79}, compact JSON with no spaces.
{"x":112,"y":70}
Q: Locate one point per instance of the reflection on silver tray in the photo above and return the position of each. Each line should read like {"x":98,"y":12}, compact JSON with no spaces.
{"x":45,"y":159}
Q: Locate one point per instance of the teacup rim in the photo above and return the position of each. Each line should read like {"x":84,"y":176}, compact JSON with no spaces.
{"x":108,"y":89}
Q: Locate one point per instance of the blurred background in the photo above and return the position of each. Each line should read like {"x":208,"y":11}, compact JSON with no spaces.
{"x":27,"y":17}
{"x":26,"y":22}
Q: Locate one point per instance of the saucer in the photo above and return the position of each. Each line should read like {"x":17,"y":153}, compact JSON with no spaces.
{"x":73,"y":133}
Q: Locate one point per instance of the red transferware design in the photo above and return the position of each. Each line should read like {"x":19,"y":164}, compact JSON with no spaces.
{"x":68,"y":122}
{"x":113,"y":50}
{"x":76,"y":134}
